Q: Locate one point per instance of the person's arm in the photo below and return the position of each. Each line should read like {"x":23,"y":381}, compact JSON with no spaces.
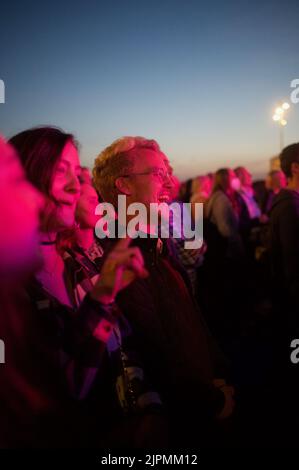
{"x":87,"y":331}
{"x":84,"y":339}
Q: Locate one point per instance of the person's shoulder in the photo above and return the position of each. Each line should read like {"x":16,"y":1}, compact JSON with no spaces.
{"x":285,"y":205}
{"x":221,"y":199}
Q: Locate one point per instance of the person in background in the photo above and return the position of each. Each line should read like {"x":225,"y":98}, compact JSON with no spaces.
{"x":201,"y":189}
{"x":224,"y":213}
{"x":284,"y":259}
{"x":247,"y":193}
{"x":224,"y":274}
{"x":185,"y":191}
{"x":275,"y":181}
{"x":284,"y":232}
{"x":85,"y":175}
{"x":172,"y":335}
{"x":175,"y":189}
{"x":188,"y":259}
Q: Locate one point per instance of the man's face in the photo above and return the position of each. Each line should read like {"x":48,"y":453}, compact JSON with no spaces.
{"x":153,"y":187}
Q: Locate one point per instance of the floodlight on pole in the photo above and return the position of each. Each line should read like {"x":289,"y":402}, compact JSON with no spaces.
{"x":279,"y":117}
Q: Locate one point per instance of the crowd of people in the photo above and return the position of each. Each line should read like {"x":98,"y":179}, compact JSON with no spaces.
{"x":121,"y":342}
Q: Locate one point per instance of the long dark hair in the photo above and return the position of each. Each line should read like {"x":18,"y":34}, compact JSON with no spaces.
{"x":39,"y":150}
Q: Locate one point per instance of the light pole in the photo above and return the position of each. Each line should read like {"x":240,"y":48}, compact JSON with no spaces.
{"x":279,"y":117}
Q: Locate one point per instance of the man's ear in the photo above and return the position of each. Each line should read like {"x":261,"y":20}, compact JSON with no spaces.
{"x":123,"y":185}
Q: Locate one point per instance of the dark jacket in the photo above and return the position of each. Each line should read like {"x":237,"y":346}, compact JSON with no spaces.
{"x":175,"y":343}
{"x":284,"y":245}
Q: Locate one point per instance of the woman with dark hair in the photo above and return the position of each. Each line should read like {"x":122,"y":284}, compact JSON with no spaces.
{"x":82,"y":332}
{"x":222,"y":277}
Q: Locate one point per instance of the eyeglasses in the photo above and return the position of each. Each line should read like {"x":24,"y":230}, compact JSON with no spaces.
{"x":159,"y":172}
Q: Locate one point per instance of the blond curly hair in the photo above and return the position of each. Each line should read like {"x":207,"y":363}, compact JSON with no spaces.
{"x":116,"y":160}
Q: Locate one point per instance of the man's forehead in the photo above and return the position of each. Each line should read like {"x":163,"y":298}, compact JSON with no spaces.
{"x":150,"y":156}
{"x":165,"y":158}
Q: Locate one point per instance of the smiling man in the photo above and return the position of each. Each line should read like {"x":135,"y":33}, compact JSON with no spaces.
{"x":170,"y":331}
{"x":145,"y":181}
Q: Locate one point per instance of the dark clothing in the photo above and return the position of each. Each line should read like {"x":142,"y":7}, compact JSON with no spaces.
{"x":73,"y":375}
{"x":228,"y":220}
{"x":172,"y":336}
{"x":284,"y":233}
{"x":267,"y":202}
{"x":284,"y":252}
{"x":37,"y":400}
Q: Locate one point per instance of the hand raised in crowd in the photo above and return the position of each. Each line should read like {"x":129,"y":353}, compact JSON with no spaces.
{"x":122,"y":266}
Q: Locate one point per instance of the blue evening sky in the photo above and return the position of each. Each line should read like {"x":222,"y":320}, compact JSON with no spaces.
{"x":202,"y":78}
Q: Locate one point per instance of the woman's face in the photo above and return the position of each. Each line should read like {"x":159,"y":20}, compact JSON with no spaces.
{"x":86,"y":206}
{"x":65,"y":190}
{"x":20,"y":206}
